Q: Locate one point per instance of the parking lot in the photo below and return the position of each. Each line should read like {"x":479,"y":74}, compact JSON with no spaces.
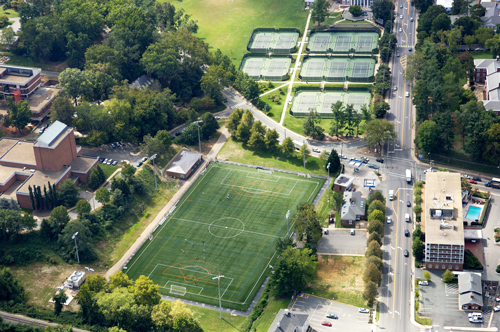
{"x":123,"y":152}
{"x":341,"y":242}
{"x":349,"y":318}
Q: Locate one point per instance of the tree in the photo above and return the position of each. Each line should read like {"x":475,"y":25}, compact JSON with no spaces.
{"x":174,"y":316}
{"x":482,"y":34}
{"x":271,"y":139}
{"x":477,"y":11}
{"x":119,"y":279}
{"x":59,"y":218}
{"x":293,"y":271}
{"x":319,"y":11}
{"x":307,"y":223}
{"x":376,"y":215}
{"x":287,"y":146}
{"x":468,"y":24}
{"x":376,"y":205}
{"x":234,"y":121}
{"x":8,"y":36}
{"x":418,"y":250}
{"x":213,"y":81}
{"x":145,"y":291}
{"x":351,"y":118}
{"x":383,"y":9}
{"x":160,"y":143}
{"x":86,"y":252}
{"x":374,"y":250}
{"x":12,"y":223}
{"x":189,"y":135}
{"x":334,"y":161}
{"x":283,"y":243}
{"x":375,"y":260}
{"x":427,"y":276}
{"x":128,"y":171}
{"x":18,"y":114}
{"x":372,"y":273}
{"x":355,"y":10}
{"x":102,"y":195}
{"x":256,"y":140}
{"x":380,"y":108}
{"x":382,"y":79}
{"x":458,"y":7}
{"x":75,"y":83}
{"x":379,"y":130}
{"x":376,"y":226}
{"x":448,"y":276}
{"x":441,"y":22}
{"x":304,"y":150}
{"x":338,"y":201}
{"x":338,"y":118}
{"x":418,"y":234}
{"x":428,"y":136}
{"x":374,"y":236}
{"x":94,"y":180}
{"x":492,"y":150}
{"x":59,"y":298}
{"x":10,"y":288}
{"x":312,"y":127}
{"x":87,"y":299}
{"x":425,"y":20}
{"x":375,"y":195}
{"x":209,"y":126}
{"x":83,"y":208}
{"x":116,"y":307}
{"x":62,"y":110}
{"x":68,"y":194}
{"x":370,"y":292}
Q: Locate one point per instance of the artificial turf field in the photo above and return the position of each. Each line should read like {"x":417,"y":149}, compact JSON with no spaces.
{"x":209,"y":234}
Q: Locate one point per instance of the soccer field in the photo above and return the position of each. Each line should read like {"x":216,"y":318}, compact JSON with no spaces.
{"x":226,"y":224}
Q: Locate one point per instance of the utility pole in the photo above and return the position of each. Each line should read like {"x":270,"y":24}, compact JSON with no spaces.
{"x":304,"y":152}
{"x":328,"y":167}
{"x":76,"y":246}
{"x":199,"y":140}
{"x":153,"y":157}
{"x":218,"y":284}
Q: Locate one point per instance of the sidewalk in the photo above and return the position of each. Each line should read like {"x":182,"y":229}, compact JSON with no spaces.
{"x":144,"y":236}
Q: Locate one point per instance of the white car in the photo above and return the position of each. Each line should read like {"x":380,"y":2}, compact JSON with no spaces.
{"x":407,"y":94}
{"x":423,"y":283}
{"x":497,"y":308}
{"x":389,"y":220}
{"x":401,"y":16}
{"x":400,"y":30}
{"x":411,"y":19}
{"x":364,"y":311}
{"x":316,"y":150}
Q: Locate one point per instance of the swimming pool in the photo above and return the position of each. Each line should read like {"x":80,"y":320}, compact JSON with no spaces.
{"x":473,"y":213}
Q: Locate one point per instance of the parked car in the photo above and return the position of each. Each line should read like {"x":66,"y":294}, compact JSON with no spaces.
{"x":105,"y":161}
{"x":406,"y":253}
{"x":332,"y":316}
{"x":325,"y":323}
{"x":342,"y":156}
{"x":497,"y":308}
{"x":177,"y":134}
{"x":389,"y":220}
{"x":353,"y":232}
{"x":366,"y":160}
{"x":380,"y":160}
{"x":475,"y":320}
{"x":408,"y":203}
{"x":472,"y":181}
{"x":109,"y":161}
{"x":113,"y":145}
{"x":373,"y":166}
{"x":139,"y":164}
{"x":144,"y":159}
{"x":316,"y":150}
{"x":114,"y":163}
{"x":397,"y":54}
{"x":476,"y":178}
{"x":423,"y":283}
{"x":364,"y":310}
{"x":101,"y":160}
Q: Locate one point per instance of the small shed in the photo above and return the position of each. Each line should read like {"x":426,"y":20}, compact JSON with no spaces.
{"x":183,"y":164}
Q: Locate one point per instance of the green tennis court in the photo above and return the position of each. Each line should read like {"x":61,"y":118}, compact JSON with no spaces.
{"x":226,"y":224}
{"x":273,"y":41}
{"x":266,"y":68}
{"x":322,"y":102}
{"x":342,"y":42}
{"x":338,"y":69}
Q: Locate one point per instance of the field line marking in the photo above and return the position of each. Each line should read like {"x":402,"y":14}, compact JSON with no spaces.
{"x":223,"y":180}
{"x":293,"y":187}
{"x":236,"y":229}
{"x":256,"y":282}
{"x":149,"y":275}
{"x":225,"y":290}
{"x":252,"y":177}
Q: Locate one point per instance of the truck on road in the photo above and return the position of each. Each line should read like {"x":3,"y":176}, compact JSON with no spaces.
{"x":408,"y":175}
{"x":493,"y":183}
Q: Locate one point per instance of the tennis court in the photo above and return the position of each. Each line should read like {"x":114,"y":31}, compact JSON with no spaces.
{"x":272,"y":41}
{"x":337,"y":69}
{"x":266,"y":68}
{"x":226,"y":224}
{"x":342,"y":42}
{"x":322,"y":101}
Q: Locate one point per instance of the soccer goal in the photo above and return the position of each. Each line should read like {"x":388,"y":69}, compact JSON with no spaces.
{"x":177,"y":290}
{"x":267,"y":171}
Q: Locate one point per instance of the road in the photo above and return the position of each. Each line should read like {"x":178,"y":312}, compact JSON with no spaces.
{"x":18,"y":319}
{"x":395,"y":297}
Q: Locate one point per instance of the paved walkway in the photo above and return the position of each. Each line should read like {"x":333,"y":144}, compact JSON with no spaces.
{"x":187,"y":184}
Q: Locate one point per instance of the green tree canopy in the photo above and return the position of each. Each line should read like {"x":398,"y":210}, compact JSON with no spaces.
{"x":375,"y":195}
{"x":307,"y":223}
{"x":83,"y":208}
{"x":355,"y":10}
{"x":374,"y":236}
{"x":377,"y":131}
{"x":418,"y":250}
{"x":448,"y":276}
{"x":334,"y":161}
{"x":287,"y":146}
{"x":145,"y":291}
{"x":319,"y":11}
{"x":10,"y":288}
{"x":67,"y":193}
{"x":376,"y":226}
{"x":376,"y":205}
{"x":376,"y":215}
{"x":372,"y":273}
{"x":374,"y":250}
{"x":18,"y":114}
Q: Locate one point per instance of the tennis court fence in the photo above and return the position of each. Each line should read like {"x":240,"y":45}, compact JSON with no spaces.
{"x":253,"y":49}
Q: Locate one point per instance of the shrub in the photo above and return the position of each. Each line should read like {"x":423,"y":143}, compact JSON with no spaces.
{"x":498,"y":269}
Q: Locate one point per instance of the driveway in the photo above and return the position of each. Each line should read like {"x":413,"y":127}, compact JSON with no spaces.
{"x":341,"y":242}
{"x":349,"y":317}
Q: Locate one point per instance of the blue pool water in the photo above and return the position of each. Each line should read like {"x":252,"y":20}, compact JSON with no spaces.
{"x":473,"y":213}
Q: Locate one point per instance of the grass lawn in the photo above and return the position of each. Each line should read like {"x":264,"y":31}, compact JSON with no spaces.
{"x":210,"y":320}
{"x":263,"y":323}
{"x":235,"y":151}
{"x":210,"y":234}
{"x":229,"y":24}
{"x":481,"y":55}
{"x":108,"y":169}
{"x":341,"y":278}
{"x":9,"y":12}
{"x":24,"y":61}
{"x":276,"y":109}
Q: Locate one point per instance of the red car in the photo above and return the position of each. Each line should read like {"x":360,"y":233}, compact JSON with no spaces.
{"x":326,"y":323}
{"x":472,"y":181}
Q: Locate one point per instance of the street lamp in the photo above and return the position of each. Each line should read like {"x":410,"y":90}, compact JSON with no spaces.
{"x":92,"y":199}
{"x":89,"y":269}
{"x":199,"y":140}
{"x":328,"y":167}
{"x":153,"y":157}
{"x":218,"y":285}
{"x":287,"y":216}
{"x":76,"y":246}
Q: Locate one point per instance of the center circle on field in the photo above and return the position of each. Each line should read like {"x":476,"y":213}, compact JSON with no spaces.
{"x":226,"y":228}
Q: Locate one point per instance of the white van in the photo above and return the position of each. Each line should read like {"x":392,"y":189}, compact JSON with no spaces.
{"x":407,"y":217}
{"x":391,"y":195}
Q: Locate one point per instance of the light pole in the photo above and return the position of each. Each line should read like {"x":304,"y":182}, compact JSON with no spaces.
{"x":328,"y":167}
{"x":92,"y":199}
{"x":153,"y":157}
{"x":89,"y":269}
{"x":199,"y":140}
{"x":304,"y":154}
{"x":76,"y":246}
{"x":218,"y":285}
{"x":287,"y":216}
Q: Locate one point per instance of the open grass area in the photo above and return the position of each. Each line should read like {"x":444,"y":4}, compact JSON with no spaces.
{"x":227,"y":223}
{"x":341,"y":278}
{"x":235,"y":151}
{"x":9,"y":12}
{"x":263,"y":323}
{"x":230,"y":23}
{"x":481,"y":55}
{"x":210,"y":320}
{"x":108,"y":169}
{"x":276,"y":108}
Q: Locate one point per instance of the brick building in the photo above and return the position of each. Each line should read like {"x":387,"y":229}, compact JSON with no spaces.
{"x":443,"y":217}
{"x":53,"y":158}
{"x":23,"y":83}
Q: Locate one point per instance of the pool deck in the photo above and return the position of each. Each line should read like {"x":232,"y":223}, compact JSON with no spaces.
{"x":473,"y":203}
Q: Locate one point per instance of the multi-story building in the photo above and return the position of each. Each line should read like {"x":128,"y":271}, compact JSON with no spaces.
{"x":443,"y":218}
{"x":23,"y":83}
{"x":53,"y":158}
{"x":488,"y":73}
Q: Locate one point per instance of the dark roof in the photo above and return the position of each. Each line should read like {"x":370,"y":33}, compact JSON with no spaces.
{"x":289,"y":321}
{"x":469,"y":282}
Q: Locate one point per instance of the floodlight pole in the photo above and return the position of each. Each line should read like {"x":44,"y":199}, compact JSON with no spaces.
{"x":304,"y":152}
{"x":287,"y":216}
{"x":153,"y":157}
{"x":218,"y":285}
{"x":328,"y":167}
{"x":76,"y":246}
{"x":199,"y":140}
